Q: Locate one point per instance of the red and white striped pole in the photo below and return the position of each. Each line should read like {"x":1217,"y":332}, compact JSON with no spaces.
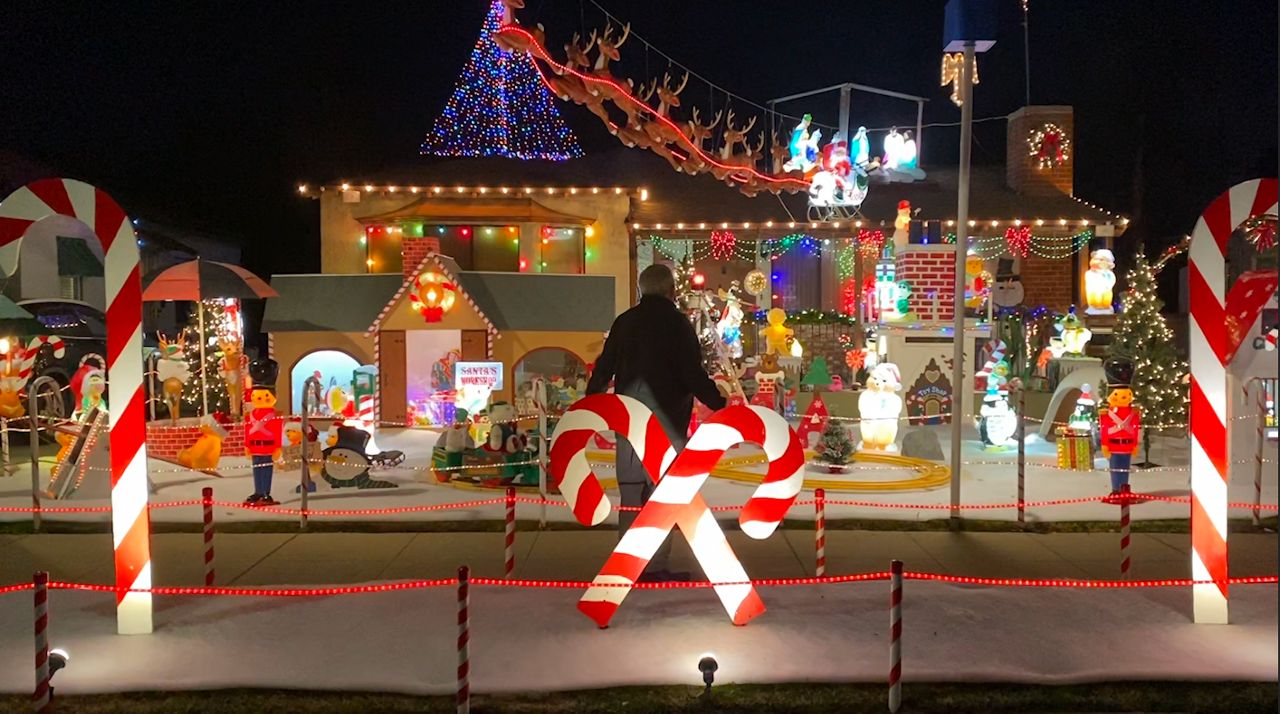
{"x":206,"y":501}
{"x":43,"y":694}
{"x":511,"y":532}
{"x":1124,"y":538}
{"x":1257,"y":452}
{"x":820,"y":532}
{"x":895,"y":635}
{"x":464,"y":641}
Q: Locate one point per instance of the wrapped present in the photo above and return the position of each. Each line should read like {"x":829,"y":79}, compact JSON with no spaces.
{"x":1075,"y":449}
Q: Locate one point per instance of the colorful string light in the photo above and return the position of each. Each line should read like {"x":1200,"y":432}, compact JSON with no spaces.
{"x":500,"y":107}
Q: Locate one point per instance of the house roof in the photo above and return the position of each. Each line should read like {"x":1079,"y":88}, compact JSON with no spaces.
{"x":331,"y":302}
{"x":675,"y":197}
{"x":542,"y":302}
{"x":478,"y":210}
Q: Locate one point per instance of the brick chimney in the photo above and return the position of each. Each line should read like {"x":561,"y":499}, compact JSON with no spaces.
{"x":1023,"y":171}
{"x":415,"y":249}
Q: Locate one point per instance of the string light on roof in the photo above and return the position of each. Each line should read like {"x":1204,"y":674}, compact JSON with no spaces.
{"x":500,"y":107}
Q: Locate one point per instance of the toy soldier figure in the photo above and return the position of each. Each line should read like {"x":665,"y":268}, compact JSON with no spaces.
{"x":1120,"y":423}
{"x":262,"y":431}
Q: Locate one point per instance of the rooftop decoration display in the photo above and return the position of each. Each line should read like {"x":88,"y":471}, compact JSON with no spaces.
{"x":500,"y":106}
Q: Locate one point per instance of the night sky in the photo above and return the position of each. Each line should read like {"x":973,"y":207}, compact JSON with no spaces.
{"x":209,"y":117}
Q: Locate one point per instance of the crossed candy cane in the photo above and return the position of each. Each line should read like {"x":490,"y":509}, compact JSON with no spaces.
{"x":676,"y":500}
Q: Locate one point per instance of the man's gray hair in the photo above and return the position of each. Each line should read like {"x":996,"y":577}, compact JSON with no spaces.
{"x":657,"y":279}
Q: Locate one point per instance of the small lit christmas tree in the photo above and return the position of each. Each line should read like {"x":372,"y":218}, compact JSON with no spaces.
{"x":221,"y":322}
{"x":1143,"y":336}
{"x":837,"y":446}
{"x":818,"y":377}
{"x":500,"y":107}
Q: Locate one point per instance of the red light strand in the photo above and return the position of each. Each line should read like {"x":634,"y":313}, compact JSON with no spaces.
{"x":1062,"y":583}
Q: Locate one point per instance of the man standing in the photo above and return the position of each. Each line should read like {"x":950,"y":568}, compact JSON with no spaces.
{"x":652,"y":354}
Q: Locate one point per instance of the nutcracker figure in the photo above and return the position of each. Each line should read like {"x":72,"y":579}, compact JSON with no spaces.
{"x":263,"y":429}
{"x":1120,"y":423}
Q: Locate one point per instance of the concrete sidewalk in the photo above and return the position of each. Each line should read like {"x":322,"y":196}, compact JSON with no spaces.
{"x":333,"y":558}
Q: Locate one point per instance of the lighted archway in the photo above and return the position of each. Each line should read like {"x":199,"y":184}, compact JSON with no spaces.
{"x":330,"y":363}
{"x":130,"y":521}
{"x":1213,"y":345}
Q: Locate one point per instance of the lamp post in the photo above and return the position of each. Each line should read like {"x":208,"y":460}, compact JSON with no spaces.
{"x":969,"y":27}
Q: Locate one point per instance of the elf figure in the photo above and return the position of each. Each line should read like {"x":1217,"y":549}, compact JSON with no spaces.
{"x":263,"y":430}
{"x":1120,"y":423}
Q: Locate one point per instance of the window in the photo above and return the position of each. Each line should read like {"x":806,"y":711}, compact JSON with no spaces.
{"x":69,"y":287}
{"x":495,"y":248}
{"x":564,"y":372}
{"x":562,"y":250}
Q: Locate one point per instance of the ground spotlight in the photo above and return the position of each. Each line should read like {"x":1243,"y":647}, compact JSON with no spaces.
{"x":708,"y":666}
{"x":58,"y":659}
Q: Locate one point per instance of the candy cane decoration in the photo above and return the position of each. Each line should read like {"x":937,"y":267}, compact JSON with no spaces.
{"x":510,"y":527}
{"x":129,"y":523}
{"x":1211,"y":352}
{"x":463,"y":693}
{"x":1124,"y":538}
{"x":676,"y":501}
{"x":895,"y":635}
{"x":206,"y":501}
{"x":42,"y":696}
{"x":820,"y":532}
{"x":32,"y":351}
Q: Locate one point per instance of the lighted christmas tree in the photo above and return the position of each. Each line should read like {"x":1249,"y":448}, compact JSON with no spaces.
{"x":1143,"y":336}
{"x":221,"y":324}
{"x":500,"y":107}
{"x":837,"y":447}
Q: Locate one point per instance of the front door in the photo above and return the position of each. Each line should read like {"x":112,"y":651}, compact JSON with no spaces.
{"x":475,"y":346}
{"x":393,"y":402}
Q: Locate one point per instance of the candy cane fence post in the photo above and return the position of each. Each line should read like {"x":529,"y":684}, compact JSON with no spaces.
{"x":130,"y":523}
{"x":1211,"y":351}
{"x":1022,"y":457}
{"x":1257,"y":453}
{"x":1124,"y":537}
{"x":463,"y":699}
{"x":895,"y":635}
{"x":206,"y":502}
{"x":4,"y":446}
{"x":33,"y":420}
{"x":43,"y":695}
{"x":510,"y":551}
{"x":540,"y":405}
{"x":820,"y":532}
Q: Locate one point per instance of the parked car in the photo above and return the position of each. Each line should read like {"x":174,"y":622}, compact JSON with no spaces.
{"x":83,"y":329}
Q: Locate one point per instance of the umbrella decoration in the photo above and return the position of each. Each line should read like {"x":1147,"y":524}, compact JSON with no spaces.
{"x":199,"y":280}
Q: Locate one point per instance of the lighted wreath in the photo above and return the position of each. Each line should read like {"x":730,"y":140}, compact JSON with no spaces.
{"x":1049,"y":146}
{"x":432,"y":296}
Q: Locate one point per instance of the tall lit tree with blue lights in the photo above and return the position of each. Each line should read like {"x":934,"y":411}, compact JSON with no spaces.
{"x":500,"y":107}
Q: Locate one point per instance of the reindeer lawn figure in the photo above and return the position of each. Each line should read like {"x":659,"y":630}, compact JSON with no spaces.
{"x":231,"y":365}
{"x":173,"y":372}
{"x":615,"y":89}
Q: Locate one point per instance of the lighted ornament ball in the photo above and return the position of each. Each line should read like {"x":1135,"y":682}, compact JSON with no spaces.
{"x":756,"y":283}
{"x":432,"y":296}
{"x":698,"y":280}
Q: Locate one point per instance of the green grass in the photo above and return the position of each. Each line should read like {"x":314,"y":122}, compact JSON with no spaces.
{"x":1234,"y":697}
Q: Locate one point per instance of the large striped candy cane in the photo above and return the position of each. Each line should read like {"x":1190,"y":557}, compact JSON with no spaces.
{"x":32,"y":351}
{"x":1211,"y":352}
{"x":676,"y":500}
{"x":130,"y":525}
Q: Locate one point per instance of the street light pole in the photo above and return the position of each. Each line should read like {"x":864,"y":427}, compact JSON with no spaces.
{"x":958,"y":386}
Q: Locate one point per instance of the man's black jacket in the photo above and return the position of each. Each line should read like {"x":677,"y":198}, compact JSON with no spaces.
{"x":652,"y":354}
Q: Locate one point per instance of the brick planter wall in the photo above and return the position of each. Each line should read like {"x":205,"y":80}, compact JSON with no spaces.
{"x":930,"y":269}
{"x":164,"y":441}
{"x":1049,"y":281}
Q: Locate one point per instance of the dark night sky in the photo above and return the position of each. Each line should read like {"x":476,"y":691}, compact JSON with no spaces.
{"x":209,"y":117}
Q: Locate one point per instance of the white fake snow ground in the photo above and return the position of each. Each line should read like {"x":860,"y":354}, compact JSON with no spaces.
{"x":987,"y":478}
{"x":536,"y":640}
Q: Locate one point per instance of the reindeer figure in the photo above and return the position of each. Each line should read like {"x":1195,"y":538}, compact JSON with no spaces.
{"x":748,"y":183}
{"x":732,"y":137}
{"x":614,"y":90}
{"x":173,"y":372}
{"x":669,"y":97}
{"x":571,"y":88}
{"x":231,"y":365}
{"x":663,"y":132}
{"x":697,"y":134}
{"x":780,"y":153}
